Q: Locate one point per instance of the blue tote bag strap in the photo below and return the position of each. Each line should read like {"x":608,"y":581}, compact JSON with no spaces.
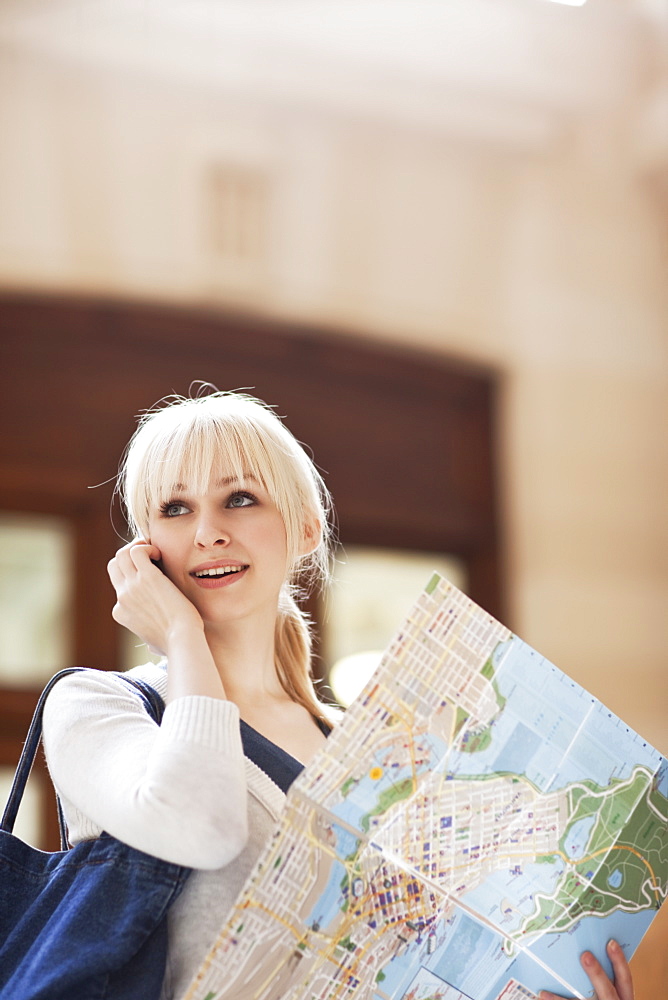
{"x":28,"y":754}
{"x":153,"y":704}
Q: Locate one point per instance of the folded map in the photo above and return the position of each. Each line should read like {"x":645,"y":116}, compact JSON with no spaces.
{"x":475,"y":822}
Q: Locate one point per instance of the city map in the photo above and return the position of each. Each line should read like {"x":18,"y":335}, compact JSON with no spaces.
{"x":474,"y":823}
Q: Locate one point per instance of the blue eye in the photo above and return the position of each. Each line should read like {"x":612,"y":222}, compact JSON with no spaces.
{"x":173,"y":508}
{"x":241,"y":500}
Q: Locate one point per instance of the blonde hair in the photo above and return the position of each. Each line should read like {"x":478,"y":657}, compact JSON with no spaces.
{"x":183,"y":439}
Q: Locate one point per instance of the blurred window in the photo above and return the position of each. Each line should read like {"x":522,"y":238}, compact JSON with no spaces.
{"x":36,"y":584}
{"x":134,"y":652}
{"x":372,"y":591}
{"x":28,"y":824}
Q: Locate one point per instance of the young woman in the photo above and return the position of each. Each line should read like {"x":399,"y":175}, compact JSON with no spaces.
{"x":229,"y":515}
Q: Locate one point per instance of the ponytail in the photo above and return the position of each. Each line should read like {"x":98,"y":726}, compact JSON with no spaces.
{"x":293,"y":657}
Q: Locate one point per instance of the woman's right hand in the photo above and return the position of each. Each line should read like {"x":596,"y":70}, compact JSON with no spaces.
{"x":147,"y":602}
{"x":619,"y":988}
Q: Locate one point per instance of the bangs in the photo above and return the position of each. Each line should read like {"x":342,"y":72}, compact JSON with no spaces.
{"x":207,"y":451}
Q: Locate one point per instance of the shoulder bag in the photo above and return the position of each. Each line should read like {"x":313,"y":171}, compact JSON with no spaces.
{"x":88,"y":923}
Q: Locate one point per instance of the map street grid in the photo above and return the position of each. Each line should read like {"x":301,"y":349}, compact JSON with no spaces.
{"x":474,"y":823}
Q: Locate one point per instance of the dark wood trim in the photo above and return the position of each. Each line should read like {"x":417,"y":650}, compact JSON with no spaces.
{"x":96,"y":635}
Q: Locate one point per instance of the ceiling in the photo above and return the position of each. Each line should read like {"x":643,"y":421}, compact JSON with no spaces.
{"x":520,"y":67}
{"x":540,"y":50}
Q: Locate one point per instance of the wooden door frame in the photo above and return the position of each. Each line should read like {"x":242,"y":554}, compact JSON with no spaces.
{"x":373,"y":413}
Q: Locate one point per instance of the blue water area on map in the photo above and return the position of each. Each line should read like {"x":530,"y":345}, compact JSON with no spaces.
{"x":465,"y":955}
{"x":468,"y":940}
{"x":364,"y":795}
{"x":503,"y":649}
{"x":662,"y":779}
{"x":507,"y":897}
{"x":604,"y":754}
{"x":328,"y":906}
{"x":472,"y":957}
{"x":520,"y":746}
{"x":346,"y":842}
{"x":615,"y":879}
{"x":551,"y":729}
{"x":561,"y":952}
{"x":403,"y":967}
{"x":578,"y":837}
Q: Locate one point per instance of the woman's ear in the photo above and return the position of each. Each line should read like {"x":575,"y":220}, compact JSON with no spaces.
{"x":311,"y":538}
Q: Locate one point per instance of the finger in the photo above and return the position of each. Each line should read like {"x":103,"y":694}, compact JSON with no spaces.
{"x":115,"y":574}
{"x":603,"y":988}
{"x":620,"y":966}
{"x":118,"y":614}
{"x":120,"y":566}
{"x":143,"y":553}
{"x":122,"y":560}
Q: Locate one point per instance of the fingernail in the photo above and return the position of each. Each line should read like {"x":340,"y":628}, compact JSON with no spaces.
{"x":587,"y":959}
{"x":612,"y":945}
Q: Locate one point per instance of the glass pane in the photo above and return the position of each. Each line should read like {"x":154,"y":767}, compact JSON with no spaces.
{"x":36,"y":576}
{"x":28,"y":824}
{"x":372,"y":592}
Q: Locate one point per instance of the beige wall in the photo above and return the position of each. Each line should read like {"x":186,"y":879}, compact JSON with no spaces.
{"x":522,"y":233}
{"x":541,"y":255}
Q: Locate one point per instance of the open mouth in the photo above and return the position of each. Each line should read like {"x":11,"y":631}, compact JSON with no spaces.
{"x":218,"y":572}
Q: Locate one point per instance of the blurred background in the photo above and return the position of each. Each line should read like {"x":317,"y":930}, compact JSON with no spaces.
{"x":434,"y":234}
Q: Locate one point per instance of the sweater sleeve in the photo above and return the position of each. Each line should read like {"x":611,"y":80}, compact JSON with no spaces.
{"x":176,"y":791}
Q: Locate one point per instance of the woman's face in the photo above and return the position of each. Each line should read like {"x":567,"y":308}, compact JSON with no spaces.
{"x":225,"y":549}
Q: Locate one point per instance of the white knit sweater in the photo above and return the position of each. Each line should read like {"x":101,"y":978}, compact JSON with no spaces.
{"x":183,"y":792}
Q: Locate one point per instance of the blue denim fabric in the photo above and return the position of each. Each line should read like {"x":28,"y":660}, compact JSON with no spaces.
{"x":84,"y":924}
{"x":87,"y":923}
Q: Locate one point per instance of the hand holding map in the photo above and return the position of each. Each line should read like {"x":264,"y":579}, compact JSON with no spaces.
{"x":621,"y":987}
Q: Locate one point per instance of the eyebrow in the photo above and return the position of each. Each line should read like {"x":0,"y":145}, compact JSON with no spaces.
{"x":220,"y":483}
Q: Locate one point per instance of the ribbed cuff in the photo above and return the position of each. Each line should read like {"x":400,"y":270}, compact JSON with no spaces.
{"x":210,"y":722}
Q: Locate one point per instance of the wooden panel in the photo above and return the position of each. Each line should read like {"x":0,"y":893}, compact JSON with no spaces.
{"x":405,"y":439}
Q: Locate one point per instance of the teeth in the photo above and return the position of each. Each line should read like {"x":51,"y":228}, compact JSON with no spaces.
{"x":219,"y":571}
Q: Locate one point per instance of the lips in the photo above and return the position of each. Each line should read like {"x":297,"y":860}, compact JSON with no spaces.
{"x":218,"y":574}
{"x":218,"y":571}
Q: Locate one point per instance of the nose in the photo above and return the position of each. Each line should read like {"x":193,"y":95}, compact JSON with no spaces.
{"x":210,"y":532}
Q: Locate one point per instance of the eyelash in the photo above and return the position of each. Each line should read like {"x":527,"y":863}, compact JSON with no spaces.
{"x":243,"y":493}
{"x":164,"y":508}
